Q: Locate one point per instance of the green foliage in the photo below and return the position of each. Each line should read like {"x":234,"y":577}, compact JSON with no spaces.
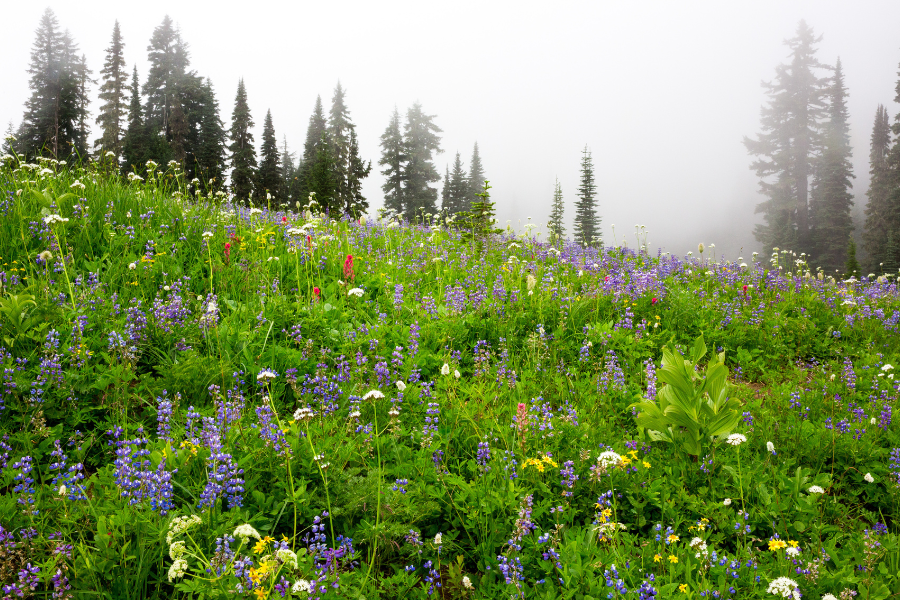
{"x":691,"y":410}
{"x":851,"y":268}
{"x":587,"y":221}
{"x":242,"y":150}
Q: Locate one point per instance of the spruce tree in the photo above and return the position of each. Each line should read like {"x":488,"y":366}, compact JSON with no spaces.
{"x":168,"y":58}
{"x":587,"y":222}
{"x":340,"y":126}
{"x":210,"y":155}
{"x":851,"y":267}
{"x":476,"y":177}
{"x":114,"y":112}
{"x":321,"y":179}
{"x":242,"y":150}
{"x":269,"y":177}
{"x":421,"y":142}
{"x":445,"y":190}
{"x":789,"y":144}
{"x":458,"y":198}
{"x":54,"y":117}
{"x":892,"y":193}
{"x":878,"y":214}
{"x":481,"y":218}
{"x":314,"y":132}
{"x":356,"y":204}
{"x":393,"y":158}
{"x":831,"y":197}
{"x":135,"y":144}
{"x":555,"y":224}
{"x":288,"y":171}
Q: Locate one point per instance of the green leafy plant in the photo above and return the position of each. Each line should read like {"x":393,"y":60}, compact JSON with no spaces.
{"x":692,"y":407}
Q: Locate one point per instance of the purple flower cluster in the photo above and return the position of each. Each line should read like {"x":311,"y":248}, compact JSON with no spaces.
{"x":270,"y":432}
{"x":135,"y":476}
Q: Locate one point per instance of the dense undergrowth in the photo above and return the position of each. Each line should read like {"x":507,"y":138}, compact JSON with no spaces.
{"x":204,"y":400}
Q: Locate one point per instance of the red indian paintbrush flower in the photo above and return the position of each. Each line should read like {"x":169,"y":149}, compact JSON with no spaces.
{"x":348,"y":268}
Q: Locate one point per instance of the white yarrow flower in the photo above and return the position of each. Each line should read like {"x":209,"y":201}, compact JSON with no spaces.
{"x":51,"y":219}
{"x":178,"y":569}
{"x":815,"y":489}
{"x":356,"y":292}
{"x":401,"y":386}
{"x":609,"y":459}
{"x":301,"y":585}
{"x":132,"y":266}
{"x":868,"y":477}
{"x":783,"y":587}
{"x":373,"y":394}
{"x":467,"y":583}
{"x":265,"y":376}
{"x":207,"y":235}
{"x":246,"y":531}
{"x":727,"y":502}
{"x":287,"y":557}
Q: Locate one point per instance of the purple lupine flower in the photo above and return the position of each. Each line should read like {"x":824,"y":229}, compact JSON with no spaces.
{"x":568,"y":477}
{"x":483,"y":457}
{"x":163,"y":417}
{"x":269,"y":431}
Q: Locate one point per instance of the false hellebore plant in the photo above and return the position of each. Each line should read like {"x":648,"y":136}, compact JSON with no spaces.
{"x":692,"y":407}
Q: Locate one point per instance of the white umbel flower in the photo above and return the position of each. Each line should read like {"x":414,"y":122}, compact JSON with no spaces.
{"x":178,"y":569}
{"x":726,"y":502}
{"x":784,"y":587}
{"x":609,"y":459}
{"x":287,"y":557}
{"x":246,"y":531}
{"x":301,"y":585}
{"x":401,"y":386}
{"x":868,"y":477}
{"x":265,"y":376}
{"x":51,"y":219}
{"x":467,"y":583}
{"x":377,"y":395}
{"x":445,"y":370}
{"x":815,"y":489}
{"x":357,"y":292}
{"x":736,"y":439}
{"x":770,"y":447}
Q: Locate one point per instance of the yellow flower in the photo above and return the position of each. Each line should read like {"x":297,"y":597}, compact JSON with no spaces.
{"x":775,"y":545}
{"x":793,"y":543}
{"x":254,"y":575}
{"x":672,"y":538}
{"x":683,"y":588}
{"x":673,"y":559}
{"x":646,"y":465}
{"x":260,"y":593}
{"x":657,"y":558}
{"x":549,"y":461}
{"x":607,"y":513}
{"x":260,"y":547}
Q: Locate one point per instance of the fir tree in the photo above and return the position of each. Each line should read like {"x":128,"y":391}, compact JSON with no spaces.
{"x":421,"y":142}
{"x":393,"y":158}
{"x":587,"y":222}
{"x":168,"y":58}
{"x":135,"y":144}
{"x":481,"y":218}
{"x":878,"y":214}
{"x":54,"y":116}
{"x":445,"y":190}
{"x":476,"y":177}
{"x":210,"y":156}
{"x":851,"y":267}
{"x":314,"y":132}
{"x":82,"y":100}
{"x":321,"y":179}
{"x":356,"y":204}
{"x":890,"y":257}
{"x":114,"y":112}
{"x":242,"y":150}
{"x":831,"y":197}
{"x":458,"y":197}
{"x":340,"y":126}
{"x":892,"y":183}
{"x":788,"y":146}
{"x":555,"y":225}
{"x":288,"y":171}
{"x":269,"y":177}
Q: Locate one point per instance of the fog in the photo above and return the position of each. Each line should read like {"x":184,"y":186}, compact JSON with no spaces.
{"x":661,"y":92}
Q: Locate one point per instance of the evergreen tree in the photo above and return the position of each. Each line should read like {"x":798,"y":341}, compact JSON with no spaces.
{"x":114,"y":112}
{"x":339,"y":129}
{"x":445,"y":190}
{"x":269,"y":177}
{"x":288,"y":171}
{"x":135,"y":144}
{"x":892,"y":184}
{"x":476,"y":177}
{"x":54,"y":119}
{"x":420,"y":141}
{"x":242,"y":150}
{"x":555,"y":225}
{"x":393,"y":158}
{"x":82,"y":100}
{"x":168,"y":58}
{"x":314,"y":132}
{"x":831,"y":197}
{"x":458,"y":197}
{"x":788,"y":146}
{"x":356,"y":204}
{"x":481,"y":218}
{"x":851,"y":267}
{"x":210,"y":156}
{"x":587,"y":222}
{"x":890,"y":257}
{"x":878,"y":214}
{"x":321,"y":179}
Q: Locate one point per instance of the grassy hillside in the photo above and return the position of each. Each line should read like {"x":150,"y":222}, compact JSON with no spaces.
{"x":200,"y":399}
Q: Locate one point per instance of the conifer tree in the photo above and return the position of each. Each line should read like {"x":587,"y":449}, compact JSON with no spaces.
{"x":851,"y":267}
{"x":481,"y":218}
{"x":54,"y":117}
{"x":135,"y":143}
{"x":831,"y":197}
{"x":210,"y":156}
{"x":476,"y":177}
{"x":321,"y":179}
{"x":555,"y":225}
{"x":114,"y":112}
{"x":587,"y":222}
{"x":168,"y":58}
{"x":788,"y":146}
{"x":878,"y":213}
{"x":356,"y":204}
{"x":314,"y":132}
{"x":288,"y":171}
{"x":242,"y":150}
{"x":269,"y":177}
{"x":445,"y":190}
{"x":421,"y":142}
{"x":82,"y":99}
{"x":892,"y":185}
{"x":458,"y":197}
{"x":339,"y":129}
{"x":393,"y":158}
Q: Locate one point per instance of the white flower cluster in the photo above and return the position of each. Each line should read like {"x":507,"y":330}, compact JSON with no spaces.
{"x":179,"y":525}
{"x":784,"y":587}
{"x":301,"y":585}
{"x":357,"y":292}
{"x":401,"y":386}
{"x":815,"y":489}
{"x":287,"y":557}
{"x":736,"y":439}
{"x":265,"y":376}
{"x":608,"y":460}
{"x":246,"y":531}
{"x":377,"y":395}
{"x":177,"y":550}
{"x":304,"y":413}
{"x":178,"y":569}
{"x":51,"y":219}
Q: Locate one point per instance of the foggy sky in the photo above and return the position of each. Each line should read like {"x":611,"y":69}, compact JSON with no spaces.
{"x":661,"y":92}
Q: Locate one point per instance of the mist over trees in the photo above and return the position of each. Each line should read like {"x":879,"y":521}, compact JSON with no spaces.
{"x":801,"y":154}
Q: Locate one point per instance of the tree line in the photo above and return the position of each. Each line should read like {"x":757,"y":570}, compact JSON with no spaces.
{"x":802,"y":158}
{"x":175,"y":116}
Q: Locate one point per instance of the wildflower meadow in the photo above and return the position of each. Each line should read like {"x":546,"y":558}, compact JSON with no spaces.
{"x":201,"y":399}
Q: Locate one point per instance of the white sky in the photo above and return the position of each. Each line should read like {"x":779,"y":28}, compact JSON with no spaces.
{"x":662,"y":92}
